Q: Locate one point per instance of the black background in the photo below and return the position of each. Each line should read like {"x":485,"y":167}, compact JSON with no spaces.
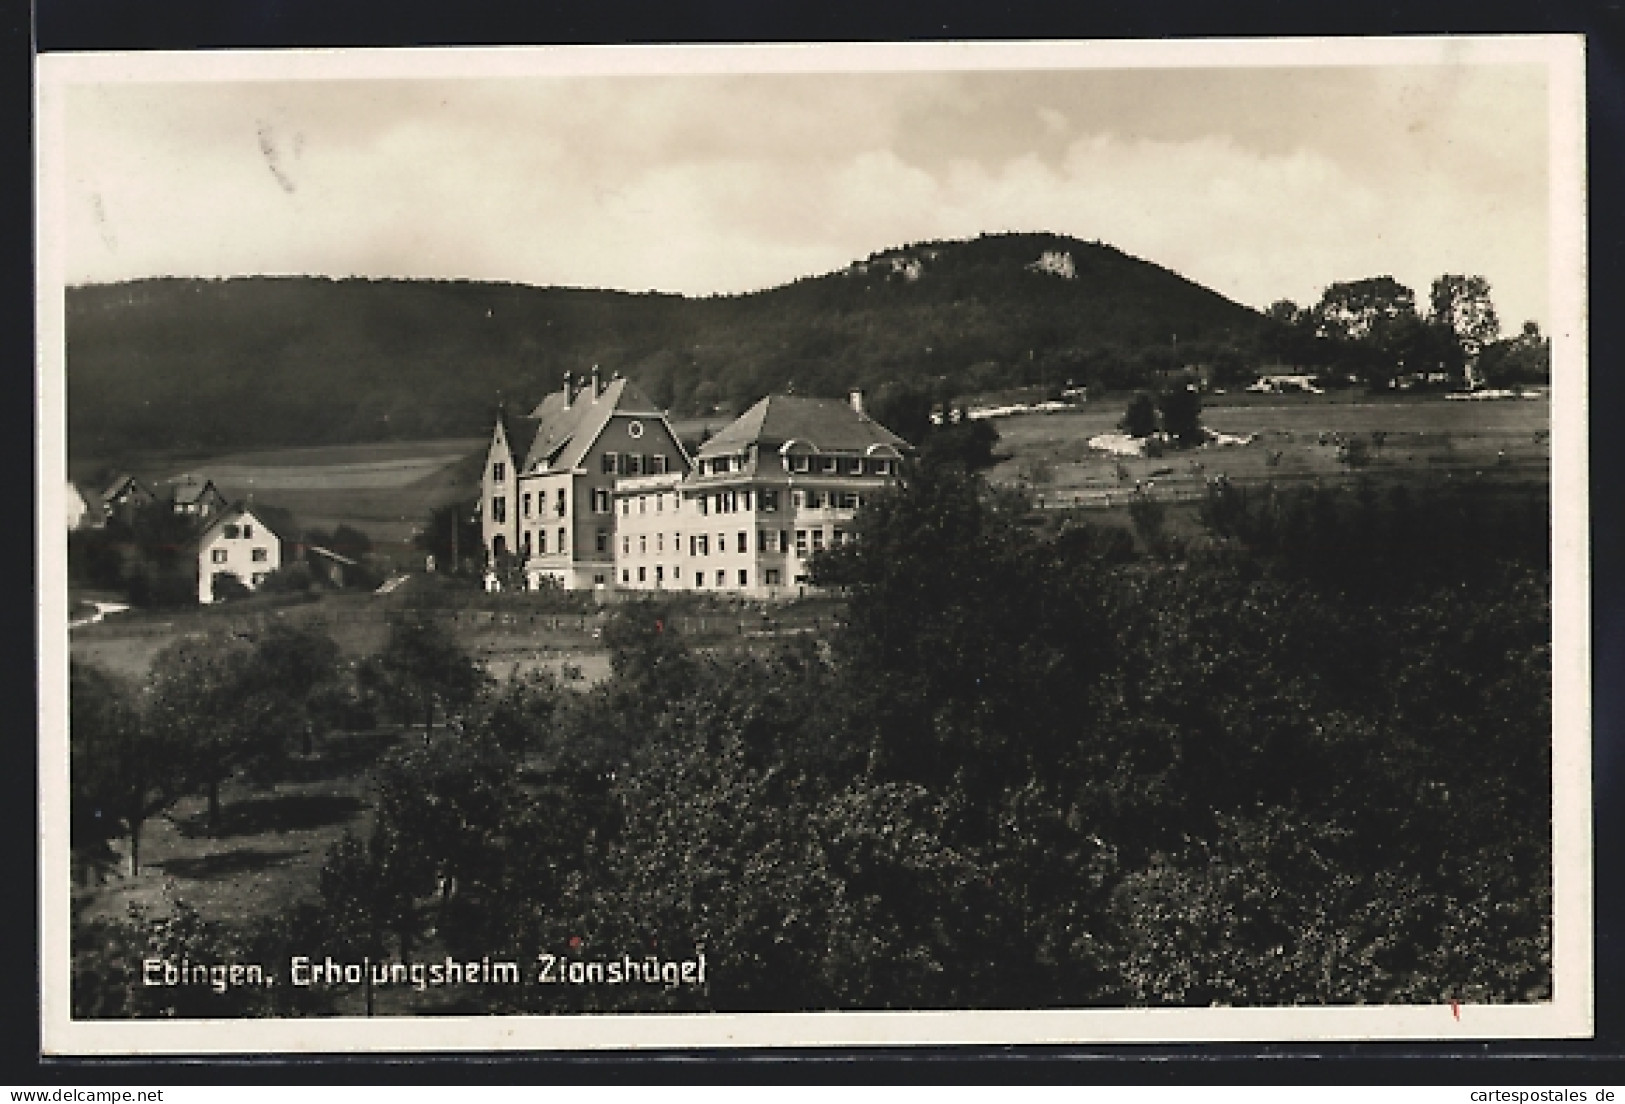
{"x":94,"y":25}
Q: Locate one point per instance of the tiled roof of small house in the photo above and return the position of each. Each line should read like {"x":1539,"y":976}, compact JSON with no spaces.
{"x":564,"y":434}
{"x":188,"y":488}
{"x":829,"y":425}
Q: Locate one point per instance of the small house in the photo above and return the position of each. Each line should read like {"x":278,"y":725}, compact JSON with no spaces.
{"x":236,"y":543}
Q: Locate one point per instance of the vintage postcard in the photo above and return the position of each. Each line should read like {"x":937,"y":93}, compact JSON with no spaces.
{"x":813,"y":545}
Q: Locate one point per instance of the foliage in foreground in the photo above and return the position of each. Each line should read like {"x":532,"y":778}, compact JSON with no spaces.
{"x":1029,"y":771}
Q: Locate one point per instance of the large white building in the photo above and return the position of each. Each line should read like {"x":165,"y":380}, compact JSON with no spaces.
{"x":545,"y":502}
{"x":606,"y":496}
{"x":782,"y":482}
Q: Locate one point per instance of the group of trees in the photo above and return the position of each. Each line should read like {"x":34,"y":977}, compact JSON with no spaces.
{"x":1174,"y":411}
{"x":1374,"y":329}
{"x":239,"y":704}
{"x":1298,"y":761}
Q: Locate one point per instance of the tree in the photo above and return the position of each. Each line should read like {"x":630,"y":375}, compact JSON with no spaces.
{"x":227,"y":586}
{"x":123,"y":770}
{"x":1361,"y":310}
{"x":426,"y":669}
{"x":961,"y":442}
{"x":1181,"y":411}
{"x":436,"y":537}
{"x":194,"y":704}
{"x":1140,"y":419}
{"x":1462,"y":305}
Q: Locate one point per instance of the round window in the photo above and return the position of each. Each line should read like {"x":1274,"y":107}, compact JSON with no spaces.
{"x":634,"y":430}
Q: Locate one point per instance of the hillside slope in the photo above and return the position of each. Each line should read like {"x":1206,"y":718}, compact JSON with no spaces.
{"x":269,"y":361}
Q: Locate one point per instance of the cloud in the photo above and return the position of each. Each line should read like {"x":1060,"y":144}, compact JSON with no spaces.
{"x":1262,"y":185}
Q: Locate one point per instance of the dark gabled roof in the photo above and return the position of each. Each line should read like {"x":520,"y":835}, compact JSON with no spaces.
{"x":563,"y":435}
{"x":189,"y":488}
{"x":826,"y":424}
{"x":120,"y":481}
{"x":517,"y":429}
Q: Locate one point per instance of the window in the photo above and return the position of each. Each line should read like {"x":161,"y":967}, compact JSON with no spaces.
{"x":815,"y":500}
{"x":626,"y":545}
{"x":722,"y":543}
{"x":831,"y":465}
{"x":608,"y":465}
{"x":818,"y":539}
{"x":634,"y":464}
{"x":524,"y":543}
{"x":563,"y":546}
{"x":761,"y":540}
{"x":643,"y":545}
{"x":744,"y":541}
{"x":801,"y":542}
{"x":541,"y":542}
{"x":772,"y":576}
{"x":747,"y":502}
{"x":770,"y":501}
{"x":660,"y":542}
{"x":702,"y":500}
{"x":744,"y":577}
{"x":598,"y":580}
{"x":261,"y":555}
{"x":660,"y":502}
{"x":524,"y":507}
{"x":722,"y":578}
{"x":699,"y":579}
{"x":600,"y":500}
{"x":217,"y":556}
{"x":838,"y":537}
{"x":626,"y":506}
{"x":626,"y":575}
{"x":799,"y":463}
{"x":677,"y":543}
{"x":882,"y":467}
{"x":499,"y":510}
{"x":796,"y":499}
{"x":855,"y":465}
{"x":643,"y":504}
{"x":784,"y":540}
{"x":231,"y":532}
{"x":704,"y":544}
{"x":560,"y":507}
{"x":643,"y":574}
{"x":603,"y":542}
{"x":248,"y":532}
{"x":499,"y":472}
{"x":719,"y":502}
{"x":657,"y":465}
{"x":258,"y":577}
{"x":677,"y":571}
{"x":660,"y":574}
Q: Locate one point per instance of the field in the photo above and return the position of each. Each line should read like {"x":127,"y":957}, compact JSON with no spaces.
{"x":1049,"y":455}
{"x":385,"y":490}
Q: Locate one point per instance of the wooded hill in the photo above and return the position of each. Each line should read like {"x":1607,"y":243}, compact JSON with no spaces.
{"x":273,"y":361}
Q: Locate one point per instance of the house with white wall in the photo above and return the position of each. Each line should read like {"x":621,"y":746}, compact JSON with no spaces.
{"x":782,"y":482}
{"x":237,"y":542}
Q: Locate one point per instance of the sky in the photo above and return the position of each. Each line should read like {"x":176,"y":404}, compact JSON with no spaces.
{"x":1261,"y":183}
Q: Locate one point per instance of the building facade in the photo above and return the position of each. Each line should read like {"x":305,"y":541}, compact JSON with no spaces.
{"x":547,"y":491}
{"x":783,"y":481}
{"x":237,"y":543}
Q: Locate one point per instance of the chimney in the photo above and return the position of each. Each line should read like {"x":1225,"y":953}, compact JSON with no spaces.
{"x":856,"y":396}
{"x":569,"y":388}
{"x":595,"y":383}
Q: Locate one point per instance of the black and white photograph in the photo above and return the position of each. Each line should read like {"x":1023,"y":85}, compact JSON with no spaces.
{"x":813,"y":545}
